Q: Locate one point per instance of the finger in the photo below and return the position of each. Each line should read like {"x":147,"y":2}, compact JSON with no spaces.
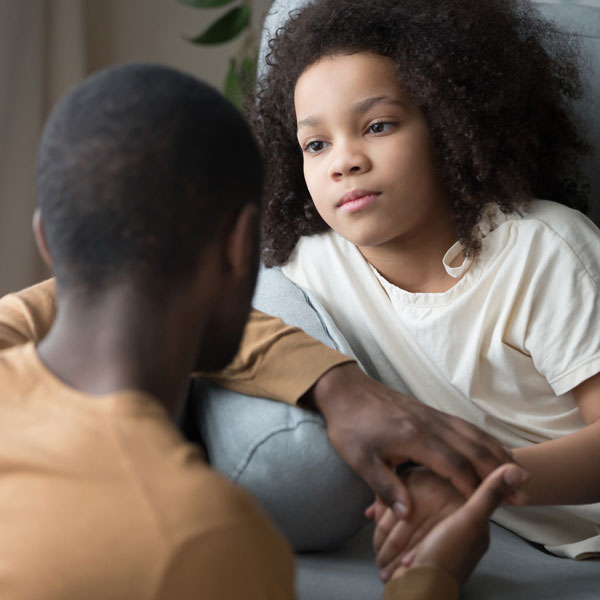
{"x":380,"y":510}
{"x":382,"y":479}
{"x":481,"y":439}
{"x":395,"y":543}
{"x":385,"y":573}
{"x":375,"y":510}
{"x":398,"y":566}
{"x":447,"y":462}
{"x":493,"y":491}
{"x":409,"y":558}
{"x":384,"y":527}
{"x":370,"y":511}
{"x":481,"y":458}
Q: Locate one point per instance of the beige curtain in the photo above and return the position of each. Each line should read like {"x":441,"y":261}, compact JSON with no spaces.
{"x":42,"y":54}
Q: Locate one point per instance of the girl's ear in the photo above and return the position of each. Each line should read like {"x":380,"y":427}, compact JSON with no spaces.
{"x":242,"y":244}
{"x":40,"y":238}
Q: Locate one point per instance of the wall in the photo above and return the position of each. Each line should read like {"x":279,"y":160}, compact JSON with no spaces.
{"x":153,"y":30}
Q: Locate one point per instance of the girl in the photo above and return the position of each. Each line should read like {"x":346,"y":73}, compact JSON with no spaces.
{"x":405,"y":142}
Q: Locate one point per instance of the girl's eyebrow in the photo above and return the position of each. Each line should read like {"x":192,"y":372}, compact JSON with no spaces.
{"x":364,"y":105}
{"x":311,"y":121}
{"x":359,"y":108}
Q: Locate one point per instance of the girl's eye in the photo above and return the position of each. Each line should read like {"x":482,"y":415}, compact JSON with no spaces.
{"x":380,"y":127}
{"x":314,"y":147}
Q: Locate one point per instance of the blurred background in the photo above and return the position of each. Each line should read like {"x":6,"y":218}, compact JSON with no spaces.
{"x":46,"y":46}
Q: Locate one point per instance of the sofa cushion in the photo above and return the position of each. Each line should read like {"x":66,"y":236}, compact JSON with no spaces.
{"x":281,"y":453}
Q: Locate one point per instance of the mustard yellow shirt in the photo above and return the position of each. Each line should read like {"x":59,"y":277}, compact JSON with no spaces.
{"x":101,"y":497}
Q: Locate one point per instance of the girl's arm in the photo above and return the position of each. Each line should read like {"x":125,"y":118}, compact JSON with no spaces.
{"x":567,"y":470}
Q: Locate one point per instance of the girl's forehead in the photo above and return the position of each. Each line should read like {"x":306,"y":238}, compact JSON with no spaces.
{"x":346,"y":79}
{"x":358,"y":65}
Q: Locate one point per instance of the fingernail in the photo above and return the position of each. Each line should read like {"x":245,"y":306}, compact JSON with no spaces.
{"x":384,"y":575}
{"x":399,"y":509}
{"x":515,"y":477}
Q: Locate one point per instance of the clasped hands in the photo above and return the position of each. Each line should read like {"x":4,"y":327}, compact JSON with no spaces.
{"x":443,"y":530}
{"x":422,"y":518}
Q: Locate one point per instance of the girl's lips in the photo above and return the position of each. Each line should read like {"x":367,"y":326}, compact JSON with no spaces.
{"x":357,"y":200}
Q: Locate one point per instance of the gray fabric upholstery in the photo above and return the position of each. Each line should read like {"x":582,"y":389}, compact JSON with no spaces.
{"x":512,"y":569}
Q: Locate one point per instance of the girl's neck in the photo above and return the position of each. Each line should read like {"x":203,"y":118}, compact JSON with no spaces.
{"x":414,"y":263}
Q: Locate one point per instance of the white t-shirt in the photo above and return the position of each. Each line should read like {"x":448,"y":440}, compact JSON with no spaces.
{"x":502,"y":348}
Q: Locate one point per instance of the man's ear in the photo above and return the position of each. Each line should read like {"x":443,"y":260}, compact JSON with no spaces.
{"x":40,"y":238}
{"x":242,"y":243}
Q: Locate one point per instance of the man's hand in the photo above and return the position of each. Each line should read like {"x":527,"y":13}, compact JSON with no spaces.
{"x":458,"y":542}
{"x":374,"y":429}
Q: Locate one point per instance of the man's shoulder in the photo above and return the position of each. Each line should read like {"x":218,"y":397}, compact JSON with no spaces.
{"x":18,"y":369}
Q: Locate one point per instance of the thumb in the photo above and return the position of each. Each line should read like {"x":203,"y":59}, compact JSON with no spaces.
{"x":493,"y":490}
{"x":383,"y":480}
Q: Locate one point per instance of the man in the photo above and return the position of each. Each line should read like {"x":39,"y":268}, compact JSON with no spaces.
{"x":148,"y":200}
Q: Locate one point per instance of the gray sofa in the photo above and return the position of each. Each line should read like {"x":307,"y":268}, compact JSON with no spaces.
{"x":282,"y":454}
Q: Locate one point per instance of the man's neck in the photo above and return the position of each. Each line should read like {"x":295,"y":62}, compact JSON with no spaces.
{"x":123,"y":342}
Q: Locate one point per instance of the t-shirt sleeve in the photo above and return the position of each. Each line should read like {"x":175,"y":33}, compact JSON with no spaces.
{"x":422,"y":583}
{"x":563,"y":298}
{"x":27,"y":316}
{"x":247,"y":562}
{"x":276,"y":361}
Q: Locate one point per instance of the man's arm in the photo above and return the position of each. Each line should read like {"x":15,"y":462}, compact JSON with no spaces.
{"x":276,"y":361}
{"x":27,"y":315}
{"x":261,"y":367}
{"x":372,"y":427}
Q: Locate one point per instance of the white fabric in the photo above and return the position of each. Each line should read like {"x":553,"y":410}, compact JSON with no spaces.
{"x":501,"y":348}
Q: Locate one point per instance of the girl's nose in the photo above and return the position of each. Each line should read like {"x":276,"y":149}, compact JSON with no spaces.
{"x":349,"y":161}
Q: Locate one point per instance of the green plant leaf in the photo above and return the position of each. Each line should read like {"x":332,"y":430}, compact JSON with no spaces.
{"x":206,"y":3}
{"x":233,"y":85}
{"x":248,"y":70}
{"x":226,"y":28}
{"x":240,"y":77}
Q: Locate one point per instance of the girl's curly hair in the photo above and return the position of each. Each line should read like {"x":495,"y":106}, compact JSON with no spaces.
{"x":492,"y":78}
